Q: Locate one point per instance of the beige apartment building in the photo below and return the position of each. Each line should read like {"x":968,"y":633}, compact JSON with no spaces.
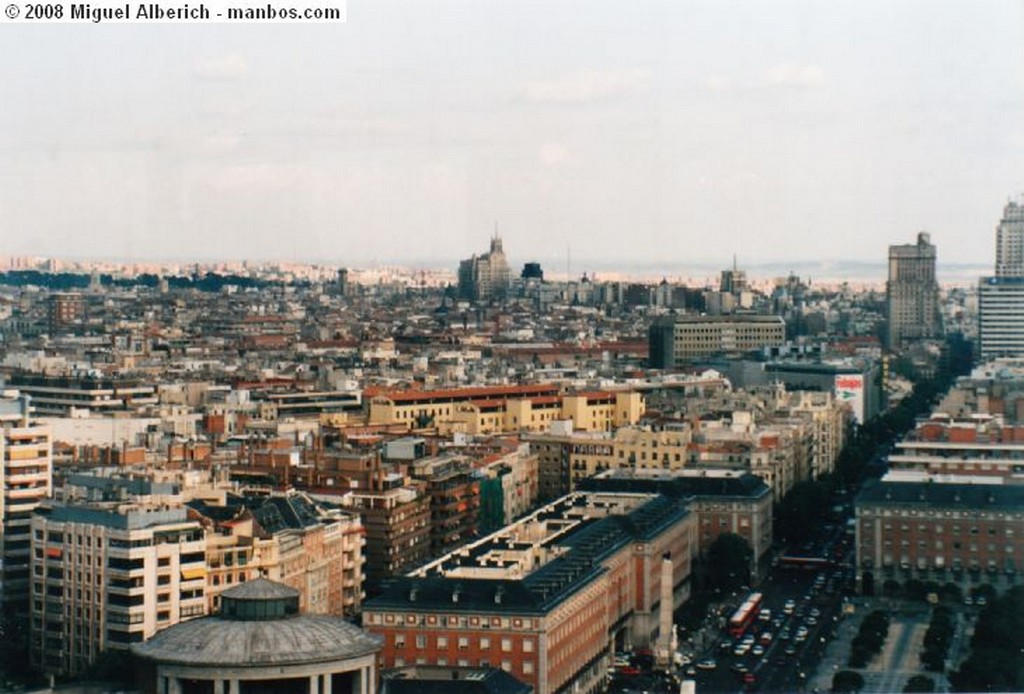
{"x":505,"y":409}
{"x":322,"y":559}
{"x":105,"y":576}
{"x":781,"y":453}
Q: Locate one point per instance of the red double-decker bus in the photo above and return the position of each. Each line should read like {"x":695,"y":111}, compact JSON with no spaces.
{"x":745,"y":614}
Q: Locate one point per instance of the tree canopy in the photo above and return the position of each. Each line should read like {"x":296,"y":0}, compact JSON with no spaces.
{"x":729,"y":560}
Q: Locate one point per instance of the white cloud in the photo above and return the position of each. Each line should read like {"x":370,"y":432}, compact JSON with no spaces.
{"x":582,"y":87}
{"x":553,"y":154}
{"x":231,"y":66}
{"x":787,"y":75}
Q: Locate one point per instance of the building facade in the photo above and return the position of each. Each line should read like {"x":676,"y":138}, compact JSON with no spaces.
{"x":1001,"y":297}
{"x":397,"y":523}
{"x":485,"y":276}
{"x":505,"y":409}
{"x":673,"y":342}
{"x":1010,"y":241}
{"x":912,"y":293}
{"x":107,"y":576}
{"x":26,"y":479}
{"x":1001,"y":317}
{"x":939,"y":531}
{"x":547,"y":599}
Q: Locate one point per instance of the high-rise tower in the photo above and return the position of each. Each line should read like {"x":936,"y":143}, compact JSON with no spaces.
{"x":1010,"y":241}
{"x":1001,"y":297}
{"x":912,"y":294}
{"x":485,"y":276}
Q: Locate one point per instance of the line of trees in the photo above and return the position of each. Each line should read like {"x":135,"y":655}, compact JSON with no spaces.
{"x":995,"y":663}
{"x":869,"y":639}
{"x":70,"y":281}
{"x":937,"y":639}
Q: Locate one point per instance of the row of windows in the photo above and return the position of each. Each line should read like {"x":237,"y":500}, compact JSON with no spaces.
{"x":939,"y":544}
{"x":465,"y":642}
{"x":528,"y":667}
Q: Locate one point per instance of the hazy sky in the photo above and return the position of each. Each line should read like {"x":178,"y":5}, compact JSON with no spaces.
{"x":643,"y":132}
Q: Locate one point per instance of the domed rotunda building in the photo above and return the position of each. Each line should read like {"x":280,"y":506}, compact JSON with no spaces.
{"x":258,"y":643}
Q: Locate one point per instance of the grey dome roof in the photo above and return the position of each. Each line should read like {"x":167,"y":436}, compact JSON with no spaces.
{"x":260,"y":589}
{"x":302,"y":639}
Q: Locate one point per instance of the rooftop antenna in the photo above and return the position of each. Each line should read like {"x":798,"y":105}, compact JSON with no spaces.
{"x":734,"y":262}
{"x":568,"y":263}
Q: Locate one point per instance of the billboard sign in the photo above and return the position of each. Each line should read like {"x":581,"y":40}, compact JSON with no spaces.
{"x":849,"y":388}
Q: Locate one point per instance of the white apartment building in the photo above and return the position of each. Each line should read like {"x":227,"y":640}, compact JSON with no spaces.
{"x":26,"y":474}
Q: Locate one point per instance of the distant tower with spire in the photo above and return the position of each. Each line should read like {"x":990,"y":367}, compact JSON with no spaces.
{"x":485,"y":276}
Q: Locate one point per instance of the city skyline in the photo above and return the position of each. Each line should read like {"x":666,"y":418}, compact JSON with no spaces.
{"x":787,"y":133}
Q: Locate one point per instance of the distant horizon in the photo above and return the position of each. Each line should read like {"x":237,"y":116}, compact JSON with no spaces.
{"x":823,"y":270}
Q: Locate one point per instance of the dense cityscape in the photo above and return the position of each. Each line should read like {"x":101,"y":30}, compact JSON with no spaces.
{"x":294,"y":478}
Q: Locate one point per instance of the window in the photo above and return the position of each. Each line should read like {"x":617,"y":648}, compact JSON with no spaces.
{"x":527,"y":667}
{"x":421,"y":641}
{"x":399,"y":640}
{"x":506,"y":645}
{"x":442,"y":642}
{"x":463,"y":643}
{"x":485,"y":643}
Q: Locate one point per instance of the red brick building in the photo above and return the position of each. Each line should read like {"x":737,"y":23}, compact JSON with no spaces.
{"x":933,"y":531}
{"x":548,"y":598}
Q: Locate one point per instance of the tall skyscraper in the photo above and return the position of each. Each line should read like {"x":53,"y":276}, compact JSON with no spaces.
{"x":485,"y":276}
{"x":912,"y":294}
{"x":1001,"y":298}
{"x":1010,"y":241}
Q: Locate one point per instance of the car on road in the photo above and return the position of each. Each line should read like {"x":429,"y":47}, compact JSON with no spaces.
{"x":981,"y":601}
{"x":707,"y":664}
{"x":766,"y":638}
{"x":789,"y":606}
{"x":757,"y":650}
{"x":739,"y":667}
{"x":741,"y":649}
{"x":790,"y":651}
{"x":815,"y":612}
{"x":811,"y":621}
